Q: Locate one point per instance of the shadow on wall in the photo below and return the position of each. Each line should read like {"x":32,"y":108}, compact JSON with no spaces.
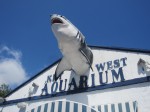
{"x":22,"y":106}
{"x":22,"y":110}
{"x":143,"y":67}
{"x":33,"y":89}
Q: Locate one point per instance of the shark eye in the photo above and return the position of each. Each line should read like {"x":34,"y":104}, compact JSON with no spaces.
{"x":63,"y":17}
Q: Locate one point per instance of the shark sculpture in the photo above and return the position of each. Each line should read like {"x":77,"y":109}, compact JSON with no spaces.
{"x":77,"y":56}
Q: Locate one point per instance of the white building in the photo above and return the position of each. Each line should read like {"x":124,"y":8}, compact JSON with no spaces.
{"x":119,"y":82}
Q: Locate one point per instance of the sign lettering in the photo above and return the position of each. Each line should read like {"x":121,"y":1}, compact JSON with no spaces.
{"x":108,"y":73}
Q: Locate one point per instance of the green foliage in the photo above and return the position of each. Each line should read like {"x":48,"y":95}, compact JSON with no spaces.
{"x":4,"y":90}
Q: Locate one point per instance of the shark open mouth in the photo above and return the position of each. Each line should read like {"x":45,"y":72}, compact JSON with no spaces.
{"x":56,"y":20}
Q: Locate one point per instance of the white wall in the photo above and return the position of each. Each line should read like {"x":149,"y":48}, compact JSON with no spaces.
{"x":139,"y":92}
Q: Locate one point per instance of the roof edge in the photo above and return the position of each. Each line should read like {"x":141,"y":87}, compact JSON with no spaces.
{"x":121,"y":49}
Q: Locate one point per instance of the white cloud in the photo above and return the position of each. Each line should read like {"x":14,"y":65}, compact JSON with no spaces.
{"x":11,"y":69}
{"x":10,"y":52}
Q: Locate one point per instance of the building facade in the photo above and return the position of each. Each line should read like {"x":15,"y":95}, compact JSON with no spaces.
{"x":119,"y":82}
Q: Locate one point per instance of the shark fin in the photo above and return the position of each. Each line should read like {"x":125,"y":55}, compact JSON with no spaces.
{"x":61,"y":67}
{"x":88,"y":55}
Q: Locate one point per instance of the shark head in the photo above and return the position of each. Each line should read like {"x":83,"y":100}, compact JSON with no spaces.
{"x":62,"y":27}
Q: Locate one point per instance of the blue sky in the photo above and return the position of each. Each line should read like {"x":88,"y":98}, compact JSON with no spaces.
{"x":25,"y":29}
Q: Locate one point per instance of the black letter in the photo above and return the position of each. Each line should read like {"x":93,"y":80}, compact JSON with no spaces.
{"x":60,"y":87}
{"x":109,"y":65}
{"x":116,"y":63}
{"x":73,"y":82}
{"x":44,"y":89}
{"x":101,"y":78}
{"x":116,"y":75}
{"x":100,"y":66}
{"x":49,"y":79}
{"x":124,"y":59}
{"x":83,"y":82}
{"x":93,"y":79}
{"x":52,"y":87}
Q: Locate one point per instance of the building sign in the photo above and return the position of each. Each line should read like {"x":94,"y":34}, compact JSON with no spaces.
{"x":120,"y":76}
{"x":108,"y":72}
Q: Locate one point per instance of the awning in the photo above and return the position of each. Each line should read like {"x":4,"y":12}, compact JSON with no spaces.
{"x":70,"y":106}
{"x":63,"y":106}
{"x":130,"y":106}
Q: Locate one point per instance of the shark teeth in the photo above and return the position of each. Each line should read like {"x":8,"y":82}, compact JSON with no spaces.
{"x":56,"y":20}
